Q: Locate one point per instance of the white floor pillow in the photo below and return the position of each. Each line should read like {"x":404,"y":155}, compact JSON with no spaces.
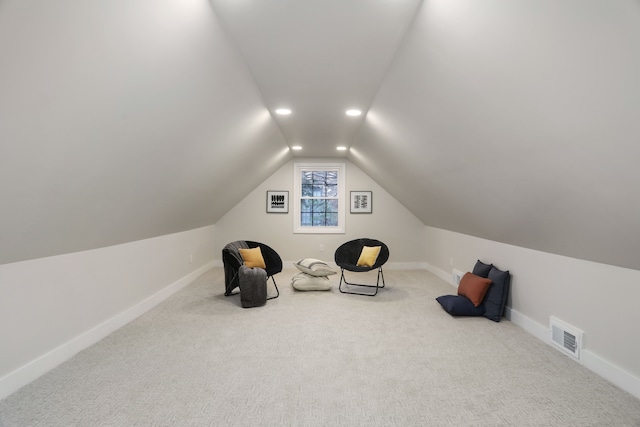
{"x":307,"y":282}
{"x":314,"y":267}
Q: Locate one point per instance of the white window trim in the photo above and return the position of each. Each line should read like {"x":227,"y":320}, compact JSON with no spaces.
{"x":297,"y":171}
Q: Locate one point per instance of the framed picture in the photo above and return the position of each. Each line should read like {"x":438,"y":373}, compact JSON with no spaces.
{"x":277,"y":201}
{"x":361,"y":202}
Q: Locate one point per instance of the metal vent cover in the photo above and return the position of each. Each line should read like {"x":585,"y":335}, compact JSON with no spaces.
{"x":566,"y":337}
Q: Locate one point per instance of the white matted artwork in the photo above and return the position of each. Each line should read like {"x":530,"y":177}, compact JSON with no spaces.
{"x":361,"y":202}
{"x":277,"y":201}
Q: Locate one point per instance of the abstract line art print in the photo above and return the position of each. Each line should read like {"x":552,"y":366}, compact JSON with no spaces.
{"x":361,"y":202}
{"x":277,"y":201}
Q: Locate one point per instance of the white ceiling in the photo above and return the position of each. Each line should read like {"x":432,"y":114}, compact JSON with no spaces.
{"x":318,"y":58}
{"x":512,"y":120}
{"x":516,"y":121}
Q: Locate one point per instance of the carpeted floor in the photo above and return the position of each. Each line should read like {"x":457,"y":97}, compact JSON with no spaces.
{"x":319,"y":359}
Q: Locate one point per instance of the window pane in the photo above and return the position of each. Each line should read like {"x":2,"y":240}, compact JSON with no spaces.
{"x":307,"y":177}
{"x":307,"y":190}
{"x":332,"y":178}
{"x":318,"y":190}
{"x":319,"y":178}
{"x":306,"y":205}
{"x":319,"y":205}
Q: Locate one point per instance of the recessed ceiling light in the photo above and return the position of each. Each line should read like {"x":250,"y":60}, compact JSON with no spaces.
{"x":353,"y":112}
{"x":341,"y":148}
{"x":296,"y":147}
{"x":283,"y":111}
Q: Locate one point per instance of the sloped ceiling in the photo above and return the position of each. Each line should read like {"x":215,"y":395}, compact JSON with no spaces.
{"x":318,"y":58}
{"x":122,"y":120}
{"x":515,"y":121}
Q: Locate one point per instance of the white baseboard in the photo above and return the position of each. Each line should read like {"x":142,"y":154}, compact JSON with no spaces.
{"x":611,"y":373}
{"x":43,"y":364}
{"x":387,"y":266}
{"x":534,"y":328}
{"x":405,"y":266}
{"x":34,"y":369}
{"x":588,"y":359}
{"x":446,"y":276}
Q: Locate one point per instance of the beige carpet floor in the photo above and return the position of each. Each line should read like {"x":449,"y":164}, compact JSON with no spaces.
{"x":319,"y":359}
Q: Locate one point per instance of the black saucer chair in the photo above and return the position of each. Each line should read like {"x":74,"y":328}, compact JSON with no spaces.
{"x":346,"y":256}
{"x":232,"y":260}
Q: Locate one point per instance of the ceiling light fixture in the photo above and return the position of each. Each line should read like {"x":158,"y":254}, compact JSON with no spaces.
{"x":296,"y":147}
{"x":283,"y":111}
{"x":353,"y":113}
{"x":341,"y":148}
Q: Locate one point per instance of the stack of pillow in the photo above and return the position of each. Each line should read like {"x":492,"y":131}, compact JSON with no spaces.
{"x":483,"y":292}
{"x":313,"y":275}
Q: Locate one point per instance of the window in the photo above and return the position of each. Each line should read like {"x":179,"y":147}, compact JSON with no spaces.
{"x":319,"y":197}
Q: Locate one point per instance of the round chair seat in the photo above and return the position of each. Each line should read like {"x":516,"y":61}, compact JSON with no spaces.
{"x":347,"y":256}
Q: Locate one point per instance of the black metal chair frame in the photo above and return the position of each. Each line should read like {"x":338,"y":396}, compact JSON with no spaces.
{"x":232,"y":265}
{"x":346,"y":257}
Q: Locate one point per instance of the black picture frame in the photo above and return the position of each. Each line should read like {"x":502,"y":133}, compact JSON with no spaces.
{"x":277,"y":201}
{"x":361,"y":202}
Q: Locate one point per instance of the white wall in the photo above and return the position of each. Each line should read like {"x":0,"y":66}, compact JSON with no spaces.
{"x":599,"y":299}
{"x":53,"y":307}
{"x":120,"y":121}
{"x":516,"y":121}
{"x":389,"y":222}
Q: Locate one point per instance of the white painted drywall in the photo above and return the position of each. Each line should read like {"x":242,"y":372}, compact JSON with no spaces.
{"x":121,"y":121}
{"x":389,"y":222}
{"x":599,"y":299}
{"x":52,"y":307}
{"x":516,"y":121}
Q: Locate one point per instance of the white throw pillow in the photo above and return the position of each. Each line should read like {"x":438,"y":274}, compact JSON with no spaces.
{"x":314,"y":267}
{"x":306,"y":282}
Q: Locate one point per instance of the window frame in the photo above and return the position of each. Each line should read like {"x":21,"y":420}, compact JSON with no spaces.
{"x":298,"y":168}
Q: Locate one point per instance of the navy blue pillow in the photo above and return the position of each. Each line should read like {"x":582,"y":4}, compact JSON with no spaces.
{"x":496,"y":298}
{"x":481,"y":269}
{"x":458,"y":305}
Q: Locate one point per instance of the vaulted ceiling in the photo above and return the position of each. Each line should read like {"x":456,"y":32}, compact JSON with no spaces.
{"x":319,"y":59}
{"x":515,"y":121}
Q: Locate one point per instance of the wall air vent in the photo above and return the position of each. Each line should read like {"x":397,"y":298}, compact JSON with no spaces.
{"x":457,"y":276}
{"x":565,"y":337}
